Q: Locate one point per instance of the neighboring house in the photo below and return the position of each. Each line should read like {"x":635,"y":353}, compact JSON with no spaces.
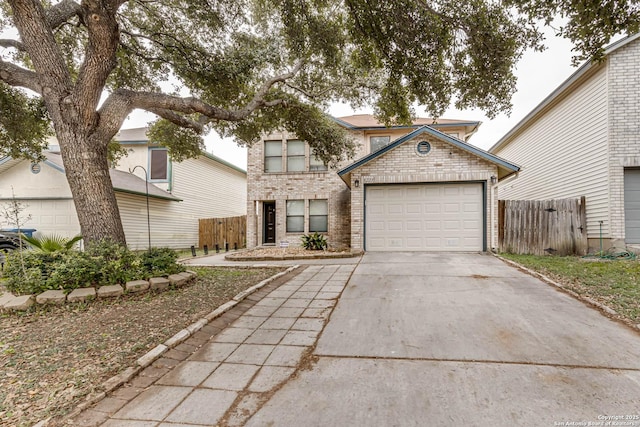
{"x":179,"y":193}
{"x":582,"y":140}
{"x":416,"y":188}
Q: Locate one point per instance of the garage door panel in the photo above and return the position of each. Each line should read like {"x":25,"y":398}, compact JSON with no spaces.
{"x":632,"y":205}
{"x":432,"y":208}
{"x":395,"y":209}
{"x":452,"y":207}
{"x":395,"y":226}
{"x":425,"y":217}
{"x":414,"y":225}
{"x":472,"y":225}
{"x":414,"y":208}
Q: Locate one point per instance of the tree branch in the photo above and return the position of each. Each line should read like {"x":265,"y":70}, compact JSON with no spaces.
{"x":178,"y":119}
{"x":259,"y":98}
{"x":122,"y":102}
{"x":60,"y":13}
{"x":13,"y":75}
{"x":12,"y":43}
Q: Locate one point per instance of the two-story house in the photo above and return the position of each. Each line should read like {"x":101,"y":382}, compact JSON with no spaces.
{"x":412,"y":188}
{"x":179,"y":192}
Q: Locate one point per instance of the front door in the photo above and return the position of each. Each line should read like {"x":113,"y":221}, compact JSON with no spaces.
{"x":269,"y":235}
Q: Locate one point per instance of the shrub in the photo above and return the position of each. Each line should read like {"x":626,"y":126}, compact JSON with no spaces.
{"x":103,"y":263}
{"x":117,"y":263}
{"x":160,"y":262}
{"x":75,"y":270}
{"x":314,"y":242}
{"x":27,"y":271}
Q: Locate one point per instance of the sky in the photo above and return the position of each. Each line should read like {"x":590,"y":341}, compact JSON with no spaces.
{"x":538,"y":73}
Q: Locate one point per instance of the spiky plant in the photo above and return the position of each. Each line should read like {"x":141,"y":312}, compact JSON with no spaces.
{"x":52,"y":242}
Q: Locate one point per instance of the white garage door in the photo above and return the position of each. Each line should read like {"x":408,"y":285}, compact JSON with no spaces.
{"x":424,"y":217}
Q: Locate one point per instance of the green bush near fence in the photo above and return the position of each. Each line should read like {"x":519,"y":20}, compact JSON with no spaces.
{"x":104,"y":263}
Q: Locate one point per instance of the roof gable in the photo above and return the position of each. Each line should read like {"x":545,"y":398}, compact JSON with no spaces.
{"x":505,"y":167}
{"x":368,"y":122}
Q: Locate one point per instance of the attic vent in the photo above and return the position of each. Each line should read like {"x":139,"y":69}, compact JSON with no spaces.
{"x":423,"y":148}
{"x":35,"y":168}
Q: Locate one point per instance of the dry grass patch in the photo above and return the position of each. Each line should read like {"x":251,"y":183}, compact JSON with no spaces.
{"x":52,"y":357}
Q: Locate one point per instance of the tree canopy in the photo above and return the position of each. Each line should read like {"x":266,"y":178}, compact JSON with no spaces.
{"x":244,"y":67}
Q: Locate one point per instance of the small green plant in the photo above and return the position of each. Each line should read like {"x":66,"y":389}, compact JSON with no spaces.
{"x":52,"y":242}
{"x":160,"y":262}
{"x":314,"y":242}
{"x":26,"y":271}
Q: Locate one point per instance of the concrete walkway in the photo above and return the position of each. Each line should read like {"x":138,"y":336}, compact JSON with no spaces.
{"x":415,"y":340}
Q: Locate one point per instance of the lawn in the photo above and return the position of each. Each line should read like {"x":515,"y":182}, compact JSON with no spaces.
{"x":52,"y":357}
{"x":614,"y":283}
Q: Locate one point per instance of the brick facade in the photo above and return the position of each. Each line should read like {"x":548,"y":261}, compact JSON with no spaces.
{"x":446,"y":163}
{"x":279,"y":187}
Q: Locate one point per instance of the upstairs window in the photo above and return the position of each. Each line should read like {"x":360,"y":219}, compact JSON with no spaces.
{"x":273,"y":156}
{"x":295,"y":216}
{"x":315,"y":164}
{"x":377,"y":142}
{"x":158,"y":164}
{"x":318,"y":216}
{"x":295,"y":156}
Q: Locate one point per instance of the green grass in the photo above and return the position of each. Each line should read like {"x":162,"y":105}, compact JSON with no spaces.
{"x":613,"y":283}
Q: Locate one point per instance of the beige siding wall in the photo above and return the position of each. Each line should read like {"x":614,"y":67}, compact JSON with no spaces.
{"x":208,"y":188}
{"x":168,"y":227}
{"x":564,"y":153}
{"x":46,"y":197}
{"x":49,"y":182}
{"x":445,"y":163}
{"x":624,"y":128}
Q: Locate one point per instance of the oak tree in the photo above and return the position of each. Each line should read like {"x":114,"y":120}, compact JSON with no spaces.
{"x":243,"y":67}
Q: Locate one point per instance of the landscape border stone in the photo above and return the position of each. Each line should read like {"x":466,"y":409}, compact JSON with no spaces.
{"x":81,"y":295}
{"x":10,"y":302}
{"x":110,"y":291}
{"x":52,"y":296}
{"x":136,"y":286}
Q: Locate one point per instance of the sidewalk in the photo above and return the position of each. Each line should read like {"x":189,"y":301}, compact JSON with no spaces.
{"x":224,"y":373}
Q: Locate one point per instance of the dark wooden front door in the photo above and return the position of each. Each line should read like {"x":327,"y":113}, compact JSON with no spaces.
{"x":269,"y":223}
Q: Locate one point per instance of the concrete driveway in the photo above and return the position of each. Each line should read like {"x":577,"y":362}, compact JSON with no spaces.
{"x":422,"y":339}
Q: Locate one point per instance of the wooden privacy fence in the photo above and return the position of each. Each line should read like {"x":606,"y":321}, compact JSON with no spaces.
{"x":539,"y":227}
{"x":212,"y":231}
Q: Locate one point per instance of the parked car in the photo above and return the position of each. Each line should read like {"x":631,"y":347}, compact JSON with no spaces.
{"x":9,"y":241}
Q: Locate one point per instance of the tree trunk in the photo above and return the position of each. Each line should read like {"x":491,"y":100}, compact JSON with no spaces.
{"x":87,"y":170}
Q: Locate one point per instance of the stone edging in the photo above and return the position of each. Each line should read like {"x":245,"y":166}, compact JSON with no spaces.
{"x":608,"y":310}
{"x":10,"y":302}
{"x":154,"y":354}
{"x":324,"y":255}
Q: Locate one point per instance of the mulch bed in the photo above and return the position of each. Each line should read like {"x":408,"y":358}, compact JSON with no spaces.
{"x":289,"y":253}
